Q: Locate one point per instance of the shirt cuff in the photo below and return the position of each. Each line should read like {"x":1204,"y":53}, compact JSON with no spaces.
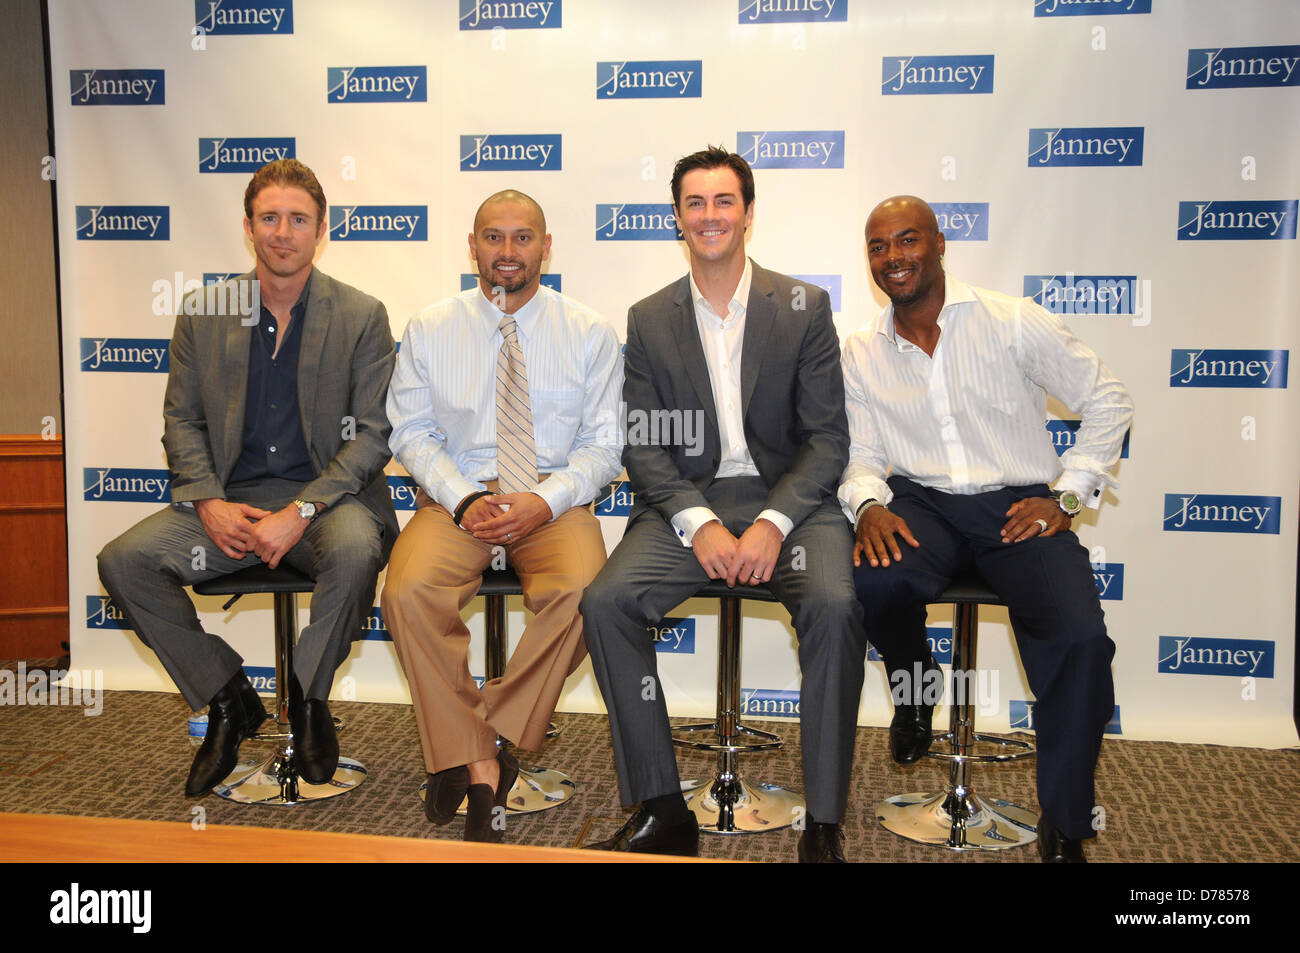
{"x":1086,"y":486}
{"x":555,"y":493}
{"x":688,"y":522}
{"x":449,"y":493}
{"x":853,"y":495}
{"x":779,"y":520}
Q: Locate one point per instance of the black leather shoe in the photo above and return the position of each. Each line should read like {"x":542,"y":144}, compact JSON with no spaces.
{"x":643,"y":834}
{"x":909,"y":731}
{"x":1055,"y":848}
{"x":315,"y":742}
{"x":232,"y":717}
{"x":486,"y":812}
{"x":821,"y":844}
{"x":509,"y":773}
{"x":445,"y":791}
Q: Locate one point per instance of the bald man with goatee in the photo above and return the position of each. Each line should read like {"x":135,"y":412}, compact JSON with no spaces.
{"x":504,"y":407}
{"x":951,"y":469}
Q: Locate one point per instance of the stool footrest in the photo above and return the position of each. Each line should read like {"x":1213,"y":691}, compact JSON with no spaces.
{"x":768,"y":741}
{"x":1024,"y":749}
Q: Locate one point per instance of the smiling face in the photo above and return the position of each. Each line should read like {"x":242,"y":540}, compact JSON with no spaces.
{"x":285,"y":229}
{"x":713,"y":217}
{"x":904,"y":246}
{"x":509,"y":244}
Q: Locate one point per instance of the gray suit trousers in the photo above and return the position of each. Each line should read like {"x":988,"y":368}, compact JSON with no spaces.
{"x":651,"y":572}
{"x":146,"y":569}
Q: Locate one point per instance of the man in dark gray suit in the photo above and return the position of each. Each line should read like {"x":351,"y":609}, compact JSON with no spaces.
{"x":276,"y":440}
{"x":754,"y":356}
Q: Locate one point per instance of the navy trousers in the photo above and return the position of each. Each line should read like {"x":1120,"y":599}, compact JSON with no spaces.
{"x":1050,"y":593}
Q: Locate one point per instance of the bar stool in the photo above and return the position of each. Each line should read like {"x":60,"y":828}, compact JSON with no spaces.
{"x":536,"y":788}
{"x":956,"y":817}
{"x":275,"y":779}
{"x":727,"y":804}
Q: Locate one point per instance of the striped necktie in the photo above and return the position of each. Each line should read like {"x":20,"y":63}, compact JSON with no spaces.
{"x":516,"y":452}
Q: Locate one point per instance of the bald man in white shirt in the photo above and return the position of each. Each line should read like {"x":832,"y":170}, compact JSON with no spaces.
{"x":951,"y":468}
{"x":505,"y":411}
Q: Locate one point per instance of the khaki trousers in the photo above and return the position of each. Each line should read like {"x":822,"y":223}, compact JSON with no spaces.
{"x":435,"y":570}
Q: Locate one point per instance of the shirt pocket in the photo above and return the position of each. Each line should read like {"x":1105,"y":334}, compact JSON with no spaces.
{"x":557,"y":415}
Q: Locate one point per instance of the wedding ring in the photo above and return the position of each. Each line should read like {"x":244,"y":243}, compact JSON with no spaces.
{"x":1042,"y":525}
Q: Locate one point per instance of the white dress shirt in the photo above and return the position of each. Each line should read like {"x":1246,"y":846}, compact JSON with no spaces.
{"x":723,"y":338}
{"x":971,"y":418}
{"x":442,"y":399}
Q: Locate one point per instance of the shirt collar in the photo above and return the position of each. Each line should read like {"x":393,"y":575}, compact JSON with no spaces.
{"x":955,"y":292}
{"x":739,"y":298}
{"x":525,"y":318}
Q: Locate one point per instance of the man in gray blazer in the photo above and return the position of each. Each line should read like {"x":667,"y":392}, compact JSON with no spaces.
{"x":276,"y":440}
{"x":754,"y":358}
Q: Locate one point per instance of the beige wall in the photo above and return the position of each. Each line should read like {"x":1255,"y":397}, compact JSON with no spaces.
{"x":29,"y":334}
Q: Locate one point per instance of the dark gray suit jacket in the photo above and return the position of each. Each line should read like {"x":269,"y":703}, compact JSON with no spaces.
{"x":345,"y":362}
{"x":792,"y":390}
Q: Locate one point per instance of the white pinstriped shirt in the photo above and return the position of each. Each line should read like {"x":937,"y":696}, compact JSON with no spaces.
{"x":442,"y":399}
{"x":971,"y":418}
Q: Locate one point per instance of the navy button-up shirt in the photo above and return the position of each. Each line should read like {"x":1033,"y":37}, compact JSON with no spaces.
{"x":273,"y":442}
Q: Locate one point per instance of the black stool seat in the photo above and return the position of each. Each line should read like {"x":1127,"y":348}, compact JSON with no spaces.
{"x":501,"y":582}
{"x":956,"y":817}
{"x":718,"y":589}
{"x":255,"y":579}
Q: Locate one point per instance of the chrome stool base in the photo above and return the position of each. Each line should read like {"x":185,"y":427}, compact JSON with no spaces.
{"x":274,"y":781}
{"x":737,"y":807}
{"x":536,"y":789}
{"x":965,"y":822}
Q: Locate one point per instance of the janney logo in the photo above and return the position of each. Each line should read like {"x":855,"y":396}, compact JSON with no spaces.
{"x":823,"y":149}
{"x":1205,"y":367}
{"x":242,"y":155}
{"x":938,"y":637}
{"x":619,"y":502}
{"x":512,"y":15}
{"x":379,"y":223}
{"x":125,"y":485}
{"x":769,"y":703}
{"x":963,"y":221}
{"x":794,"y":11}
{"x":1021,"y":715}
{"x":1088,"y":294}
{"x":103,"y":613}
{"x":148,"y":355}
{"x":402,"y":490}
{"x":936,"y":75}
{"x":636,"y":223}
{"x":262,"y":678}
{"x":373,"y":628}
{"x":376,"y":84}
{"x":1065,"y":432}
{"x":221,"y":17}
{"x":118,"y":87}
{"x":649,"y":79}
{"x":123,"y":223}
{"x":510,"y":153}
{"x":1190,"y":655}
{"x":1110,"y":580}
{"x":1211,"y":513}
{"x":1089,"y":8}
{"x":549,"y":280}
{"x":1085,"y":145}
{"x":1240,"y":66}
{"x":1236,"y":221}
{"x":831,"y":283}
{"x":673,"y":635}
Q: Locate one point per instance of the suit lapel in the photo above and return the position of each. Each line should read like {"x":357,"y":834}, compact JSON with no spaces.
{"x":687,"y":333}
{"x":316,"y":320}
{"x":760,"y":315}
{"x":239,"y":338}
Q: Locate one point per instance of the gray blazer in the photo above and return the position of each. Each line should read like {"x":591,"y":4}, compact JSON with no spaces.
{"x":344,"y":365}
{"x":792,"y":390}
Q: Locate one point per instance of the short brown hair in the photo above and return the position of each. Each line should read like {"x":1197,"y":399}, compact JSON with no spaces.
{"x":714,"y":157}
{"x":285,"y":172}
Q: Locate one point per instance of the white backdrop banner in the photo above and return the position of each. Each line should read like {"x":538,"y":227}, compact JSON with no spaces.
{"x":1131,"y":164}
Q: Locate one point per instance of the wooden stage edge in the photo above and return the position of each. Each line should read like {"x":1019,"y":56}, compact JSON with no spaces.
{"x":50,"y":838}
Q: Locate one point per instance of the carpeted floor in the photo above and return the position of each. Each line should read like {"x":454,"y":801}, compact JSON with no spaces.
{"x":1163,"y":802}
